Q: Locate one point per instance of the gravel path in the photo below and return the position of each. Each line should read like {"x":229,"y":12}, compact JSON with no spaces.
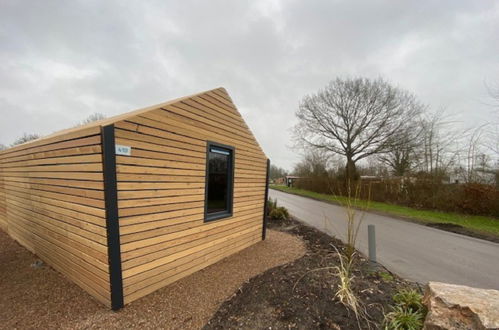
{"x":40,"y":297}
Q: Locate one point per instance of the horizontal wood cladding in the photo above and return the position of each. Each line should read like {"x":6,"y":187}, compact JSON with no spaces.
{"x":161,"y":191}
{"x":52,"y":202}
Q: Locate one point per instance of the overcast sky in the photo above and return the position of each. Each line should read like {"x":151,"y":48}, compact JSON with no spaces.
{"x":60,"y":61}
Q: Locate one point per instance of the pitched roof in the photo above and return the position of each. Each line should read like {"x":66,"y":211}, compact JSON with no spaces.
{"x":106,"y":121}
{"x":123,"y":116}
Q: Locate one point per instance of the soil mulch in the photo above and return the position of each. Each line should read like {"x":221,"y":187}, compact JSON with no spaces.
{"x":300,"y":295}
{"x":34,"y":296}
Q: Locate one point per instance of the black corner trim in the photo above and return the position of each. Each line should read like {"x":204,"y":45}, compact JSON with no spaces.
{"x":264,"y":228}
{"x":112,"y":224}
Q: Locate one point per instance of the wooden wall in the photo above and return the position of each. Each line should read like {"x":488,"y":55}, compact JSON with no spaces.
{"x":52,"y":202}
{"x":161,"y":191}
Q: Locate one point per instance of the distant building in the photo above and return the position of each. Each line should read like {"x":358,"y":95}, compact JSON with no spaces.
{"x":290,"y":180}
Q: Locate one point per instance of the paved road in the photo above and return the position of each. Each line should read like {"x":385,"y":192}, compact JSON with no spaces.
{"x":413,"y":251}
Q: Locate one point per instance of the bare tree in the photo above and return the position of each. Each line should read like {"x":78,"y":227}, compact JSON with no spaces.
{"x":492,"y":139}
{"x":355,"y":118}
{"x":475,"y":160}
{"x":2,"y":147}
{"x":440,"y":144}
{"x":276,"y":172}
{"x":313,"y":164}
{"x":93,"y":117}
{"x":25,"y":138}
{"x":403,"y":156}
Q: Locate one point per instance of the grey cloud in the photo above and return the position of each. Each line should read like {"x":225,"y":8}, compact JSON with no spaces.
{"x":63,"y":60}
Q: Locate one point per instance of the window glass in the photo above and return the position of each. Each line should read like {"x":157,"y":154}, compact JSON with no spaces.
{"x":219,"y":181}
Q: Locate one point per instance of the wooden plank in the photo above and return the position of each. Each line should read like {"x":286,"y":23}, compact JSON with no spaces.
{"x":96,"y":266}
{"x":186,"y":262}
{"x":84,"y":229}
{"x":150,"y":268}
{"x":159,"y":208}
{"x":178,"y":275}
{"x":143,"y":218}
{"x":167,"y":227}
{"x":185,"y":126}
{"x":93,"y":158}
{"x":57,"y":209}
{"x":95,"y":194}
{"x":153,"y":225}
{"x":143,"y":179}
{"x":157,"y":155}
{"x":98,"y":212}
{"x":190,"y":233}
{"x":157,"y":140}
{"x":91,"y":176}
{"x":55,"y":231}
{"x":196,"y":118}
{"x":141,"y":194}
{"x":155,"y":147}
{"x":157,"y":170}
{"x":185,"y":244}
{"x":160,"y":201}
{"x":157,"y":185}
{"x":92,"y":149}
{"x":75,"y":272}
{"x":202,"y":132}
{"x":58,"y":196}
{"x":37,"y":148}
{"x":160,"y":163}
{"x":95,"y":167}
{"x":150,"y":127}
{"x":58,"y":182}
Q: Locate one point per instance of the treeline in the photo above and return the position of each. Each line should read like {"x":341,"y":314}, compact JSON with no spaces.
{"x":26,"y":137}
{"x":417,"y":192}
{"x":370,"y":133}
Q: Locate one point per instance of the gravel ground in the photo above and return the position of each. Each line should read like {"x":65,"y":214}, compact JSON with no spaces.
{"x":40,"y":297}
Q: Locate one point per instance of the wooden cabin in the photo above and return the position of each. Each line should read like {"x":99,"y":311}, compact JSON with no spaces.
{"x":127,"y":205}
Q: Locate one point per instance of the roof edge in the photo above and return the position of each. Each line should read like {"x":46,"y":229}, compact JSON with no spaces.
{"x":107,"y":121}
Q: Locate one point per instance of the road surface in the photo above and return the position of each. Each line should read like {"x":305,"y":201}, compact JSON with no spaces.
{"x":411,"y":250}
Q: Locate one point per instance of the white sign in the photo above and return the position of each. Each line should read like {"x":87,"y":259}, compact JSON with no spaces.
{"x":123,"y":150}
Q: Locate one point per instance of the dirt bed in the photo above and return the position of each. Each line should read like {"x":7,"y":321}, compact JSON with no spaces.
{"x":38,"y":297}
{"x":296,"y":296}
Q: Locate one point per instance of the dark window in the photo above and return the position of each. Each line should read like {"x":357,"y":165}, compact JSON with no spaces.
{"x":219,"y":181}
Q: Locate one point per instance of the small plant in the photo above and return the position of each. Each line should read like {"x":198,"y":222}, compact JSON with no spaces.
{"x":271,"y":205}
{"x":345,"y":292}
{"x":408,"y":312}
{"x":409,"y":299}
{"x":401,"y":318}
{"x":385,"y":276}
{"x":279,"y":213}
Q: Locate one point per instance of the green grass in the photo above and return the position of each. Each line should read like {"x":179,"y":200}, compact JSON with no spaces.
{"x":387,"y":277}
{"x":479,"y":224}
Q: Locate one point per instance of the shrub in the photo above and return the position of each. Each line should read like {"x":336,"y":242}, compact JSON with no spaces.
{"x":408,"y":312}
{"x":271,"y":205}
{"x":409,"y":299}
{"x":401,"y":318}
{"x":419,"y":192}
{"x":279,"y":213}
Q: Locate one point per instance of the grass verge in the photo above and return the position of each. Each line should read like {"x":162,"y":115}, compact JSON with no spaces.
{"x":479,"y":224}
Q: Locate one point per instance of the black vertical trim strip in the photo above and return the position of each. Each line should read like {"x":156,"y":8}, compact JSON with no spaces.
{"x":264,"y":228}
{"x":112,"y":224}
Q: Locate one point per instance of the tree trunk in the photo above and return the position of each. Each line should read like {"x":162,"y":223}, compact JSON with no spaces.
{"x":351,"y":174}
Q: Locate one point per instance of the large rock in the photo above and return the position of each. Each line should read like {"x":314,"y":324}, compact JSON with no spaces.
{"x":460,"y":307}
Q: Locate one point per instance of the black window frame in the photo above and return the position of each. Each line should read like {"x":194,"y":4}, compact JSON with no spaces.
{"x":230,"y":189}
